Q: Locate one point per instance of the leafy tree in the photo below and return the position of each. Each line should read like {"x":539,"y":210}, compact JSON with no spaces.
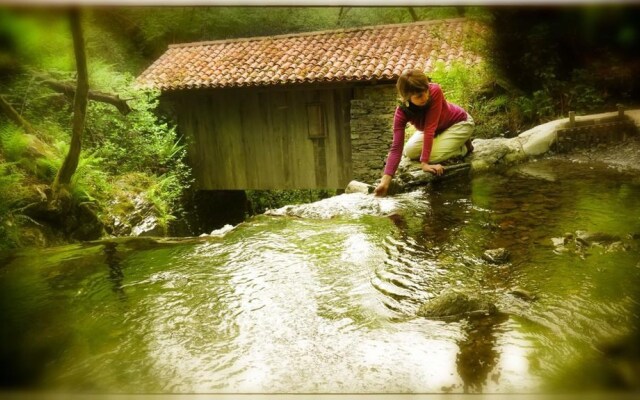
{"x":534,"y":48}
{"x":115,"y":146}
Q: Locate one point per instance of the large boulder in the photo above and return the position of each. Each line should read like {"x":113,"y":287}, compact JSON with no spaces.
{"x":491,"y":152}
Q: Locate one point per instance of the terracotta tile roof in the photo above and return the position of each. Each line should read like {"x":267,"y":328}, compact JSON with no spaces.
{"x":347,"y":55}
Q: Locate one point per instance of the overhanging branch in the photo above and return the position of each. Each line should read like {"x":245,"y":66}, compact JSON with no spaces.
{"x":70,"y":91}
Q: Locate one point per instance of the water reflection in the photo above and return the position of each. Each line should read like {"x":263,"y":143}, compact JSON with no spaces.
{"x":285,"y":304}
{"x":478,"y":355}
{"x":116,"y":276}
{"x":448,"y":211}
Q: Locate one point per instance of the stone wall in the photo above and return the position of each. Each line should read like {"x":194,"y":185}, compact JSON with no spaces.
{"x":372,"y":110}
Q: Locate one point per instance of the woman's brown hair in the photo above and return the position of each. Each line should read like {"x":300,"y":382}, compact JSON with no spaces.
{"x":410,"y":83}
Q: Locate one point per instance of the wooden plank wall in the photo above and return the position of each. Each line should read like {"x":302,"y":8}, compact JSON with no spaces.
{"x":258,"y":138}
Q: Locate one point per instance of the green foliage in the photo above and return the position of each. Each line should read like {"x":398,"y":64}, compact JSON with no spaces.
{"x":535,"y":107}
{"x":459,"y":82}
{"x":13,"y":141}
{"x":465,"y":86}
{"x":90,"y":182}
{"x":29,"y":153}
{"x":567,"y":56}
{"x":12,"y":187}
{"x":38,"y":38}
{"x":113,"y":144}
{"x":501,"y":110}
{"x":165,"y":194}
{"x":580,"y":93}
{"x":12,"y":192}
{"x":139,"y":141}
{"x":361,"y":16}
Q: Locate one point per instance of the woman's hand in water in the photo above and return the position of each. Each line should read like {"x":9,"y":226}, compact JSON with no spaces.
{"x":381,"y":189}
{"x":435,"y":169}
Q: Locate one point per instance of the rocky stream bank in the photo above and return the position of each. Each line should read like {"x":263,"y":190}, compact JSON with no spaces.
{"x":134,"y":215}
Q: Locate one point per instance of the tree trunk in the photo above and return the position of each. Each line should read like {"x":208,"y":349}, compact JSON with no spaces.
{"x":343,"y":12}
{"x":70,"y":163}
{"x":414,"y":16}
{"x":15,"y":117}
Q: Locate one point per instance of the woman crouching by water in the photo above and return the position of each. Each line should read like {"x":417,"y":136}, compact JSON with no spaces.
{"x":444,"y":129}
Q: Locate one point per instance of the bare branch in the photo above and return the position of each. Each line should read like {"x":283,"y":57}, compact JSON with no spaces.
{"x":70,"y":91}
{"x":15,"y":117}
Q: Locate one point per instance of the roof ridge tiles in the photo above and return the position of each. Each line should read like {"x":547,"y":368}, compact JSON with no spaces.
{"x":368,"y":53}
{"x":318,"y":33}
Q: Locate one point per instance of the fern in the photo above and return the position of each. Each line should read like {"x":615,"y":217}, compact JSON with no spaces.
{"x":12,"y":191}
{"x":12,"y":187}
{"x":13,"y":141}
{"x":90,"y":182}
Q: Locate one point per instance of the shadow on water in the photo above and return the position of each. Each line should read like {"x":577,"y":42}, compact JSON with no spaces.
{"x":447,"y":213}
{"x":478,"y":354}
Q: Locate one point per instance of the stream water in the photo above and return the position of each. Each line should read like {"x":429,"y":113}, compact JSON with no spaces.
{"x":299,"y":305}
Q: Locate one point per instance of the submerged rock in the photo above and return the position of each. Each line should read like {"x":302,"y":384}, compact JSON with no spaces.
{"x":454,"y":306}
{"x":589,"y":238}
{"x":523,"y":294}
{"x":617,"y":246}
{"x":496,"y":256}
{"x":580,"y":241}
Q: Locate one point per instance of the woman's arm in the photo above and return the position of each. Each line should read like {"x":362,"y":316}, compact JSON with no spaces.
{"x":431,"y":121}
{"x":395,"y":153}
